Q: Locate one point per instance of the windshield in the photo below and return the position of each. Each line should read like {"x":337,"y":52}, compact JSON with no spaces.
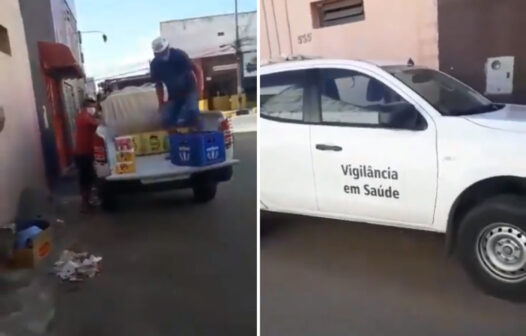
{"x":449,"y":96}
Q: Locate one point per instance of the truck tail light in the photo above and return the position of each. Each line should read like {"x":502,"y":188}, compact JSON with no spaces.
{"x":99,"y":150}
{"x":226,"y":128}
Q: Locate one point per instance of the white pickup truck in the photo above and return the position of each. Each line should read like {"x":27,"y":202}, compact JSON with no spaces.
{"x":133,"y":110}
{"x":404,"y":146}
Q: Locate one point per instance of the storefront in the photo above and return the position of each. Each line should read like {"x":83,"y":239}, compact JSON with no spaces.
{"x":57,"y":64}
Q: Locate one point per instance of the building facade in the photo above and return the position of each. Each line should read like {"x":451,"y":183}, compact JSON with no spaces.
{"x":482,"y":43}
{"x":479,"y":42}
{"x":369,"y":29}
{"x":55,"y":56}
{"x":210,"y":42}
{"x":21,"y":157}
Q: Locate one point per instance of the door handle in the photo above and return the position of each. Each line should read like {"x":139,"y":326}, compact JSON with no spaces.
{"x":323,"y":147}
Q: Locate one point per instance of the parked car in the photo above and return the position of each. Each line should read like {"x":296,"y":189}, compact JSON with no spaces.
{"x":399,"y":145}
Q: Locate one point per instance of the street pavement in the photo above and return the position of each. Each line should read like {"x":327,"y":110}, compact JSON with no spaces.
{"x":328,"y":277}
{"x":244,"y":123}
{"x":170,"y":266}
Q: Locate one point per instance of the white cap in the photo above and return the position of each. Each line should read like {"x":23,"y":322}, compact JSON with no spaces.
{"x":159,"y":45}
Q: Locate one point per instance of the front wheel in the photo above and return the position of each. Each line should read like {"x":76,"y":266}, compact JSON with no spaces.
{"x":492,"y":246}
{"x":205,"y":192}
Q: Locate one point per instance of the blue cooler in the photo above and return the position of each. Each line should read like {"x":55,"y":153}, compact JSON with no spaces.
{"x":197,"y":149}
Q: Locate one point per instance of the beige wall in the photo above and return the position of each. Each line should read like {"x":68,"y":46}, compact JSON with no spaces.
{"x":393,"y":30}
{"x":21,"y":163}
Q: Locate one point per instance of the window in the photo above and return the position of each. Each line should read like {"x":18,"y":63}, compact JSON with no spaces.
{"x":349,"y":97}
{"x":281,"y":95}
{"x":335,"y":12}
{"x":5,"y":46}
{"x":447,"y":95}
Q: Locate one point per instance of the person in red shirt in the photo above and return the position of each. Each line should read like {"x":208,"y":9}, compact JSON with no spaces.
{"x":86,"y":125}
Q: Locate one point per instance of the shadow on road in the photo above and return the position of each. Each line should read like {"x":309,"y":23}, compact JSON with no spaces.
{"x":334,"y":277}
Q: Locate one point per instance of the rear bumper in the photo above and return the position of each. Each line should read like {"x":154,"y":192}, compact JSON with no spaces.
{"x":217,"y":175}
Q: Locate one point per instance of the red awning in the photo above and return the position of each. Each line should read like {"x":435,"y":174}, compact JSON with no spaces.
{"x":58,"y":61}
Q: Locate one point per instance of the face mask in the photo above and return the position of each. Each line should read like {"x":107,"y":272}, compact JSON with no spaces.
{"x":91,"y":110}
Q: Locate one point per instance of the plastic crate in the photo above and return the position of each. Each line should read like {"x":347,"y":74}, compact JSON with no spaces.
{"x":197,"y":149}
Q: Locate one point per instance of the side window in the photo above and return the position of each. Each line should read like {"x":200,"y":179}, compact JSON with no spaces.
{"x":281,"y":95}
{"x":350,"y":97}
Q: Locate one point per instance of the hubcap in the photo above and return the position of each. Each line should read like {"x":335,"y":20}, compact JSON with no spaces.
{"x":501,"y":249}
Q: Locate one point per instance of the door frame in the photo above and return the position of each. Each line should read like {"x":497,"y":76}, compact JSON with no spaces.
{"x":59,"y":121}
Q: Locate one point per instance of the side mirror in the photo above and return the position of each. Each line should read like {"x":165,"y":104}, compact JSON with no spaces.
{"x":401,"y":116}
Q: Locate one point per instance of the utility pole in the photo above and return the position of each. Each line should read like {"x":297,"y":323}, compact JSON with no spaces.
{"x":239,"y":59}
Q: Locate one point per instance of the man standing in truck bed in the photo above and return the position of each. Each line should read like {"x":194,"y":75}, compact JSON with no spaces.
{"x":183,"y":79}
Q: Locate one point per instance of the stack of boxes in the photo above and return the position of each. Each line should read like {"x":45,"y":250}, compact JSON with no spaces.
{"x":130,"y":146}
{"x":125,"y":153}
{"x":188,"y":148}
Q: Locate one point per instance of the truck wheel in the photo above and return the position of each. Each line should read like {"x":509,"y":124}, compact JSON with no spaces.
{"x":107,"y":197}
{"x":492,"y":246}
{"x":205,"y":192}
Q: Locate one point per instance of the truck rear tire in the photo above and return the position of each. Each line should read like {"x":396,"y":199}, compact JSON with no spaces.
{"x":492,"y":246}
{"x":204,"y":192}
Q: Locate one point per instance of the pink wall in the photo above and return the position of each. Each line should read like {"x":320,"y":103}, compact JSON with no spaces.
{"x":393,"y":30}
{"x":21,"y":161}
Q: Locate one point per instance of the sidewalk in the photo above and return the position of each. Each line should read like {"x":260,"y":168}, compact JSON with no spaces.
{"x":27,"y":297}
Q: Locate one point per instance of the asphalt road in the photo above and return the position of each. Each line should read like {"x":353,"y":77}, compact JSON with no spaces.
{"x":328,"y":277}
{"x":171,"y":267}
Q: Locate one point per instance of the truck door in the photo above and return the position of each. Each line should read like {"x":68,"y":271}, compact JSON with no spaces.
{"x":365,"y":170}
{"x":286,"y":172}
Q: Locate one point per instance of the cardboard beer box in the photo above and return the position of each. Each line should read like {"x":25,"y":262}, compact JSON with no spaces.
{"x":124,"y":143}
{"x":125,"y":168}
{"x":155,"y":142}
{"x":166,"y":142}
{"x":138,"y":144}
{"x":125,"y":156}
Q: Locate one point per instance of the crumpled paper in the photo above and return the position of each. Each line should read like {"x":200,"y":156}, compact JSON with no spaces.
{"x":74,"y":266}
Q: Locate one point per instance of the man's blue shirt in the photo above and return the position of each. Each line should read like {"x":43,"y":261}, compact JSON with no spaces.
{"x":176,"y":73}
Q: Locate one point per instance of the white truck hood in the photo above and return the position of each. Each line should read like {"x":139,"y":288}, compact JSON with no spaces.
{"x":510,"y":118}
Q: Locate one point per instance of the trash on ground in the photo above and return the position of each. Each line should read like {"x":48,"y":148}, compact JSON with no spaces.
{"x":74,"y":267}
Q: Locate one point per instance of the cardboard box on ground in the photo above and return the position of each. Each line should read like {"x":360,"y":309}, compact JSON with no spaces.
{"x":28,"y":246}
{"x":30,"y":255}
{"x":29,"y":237}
